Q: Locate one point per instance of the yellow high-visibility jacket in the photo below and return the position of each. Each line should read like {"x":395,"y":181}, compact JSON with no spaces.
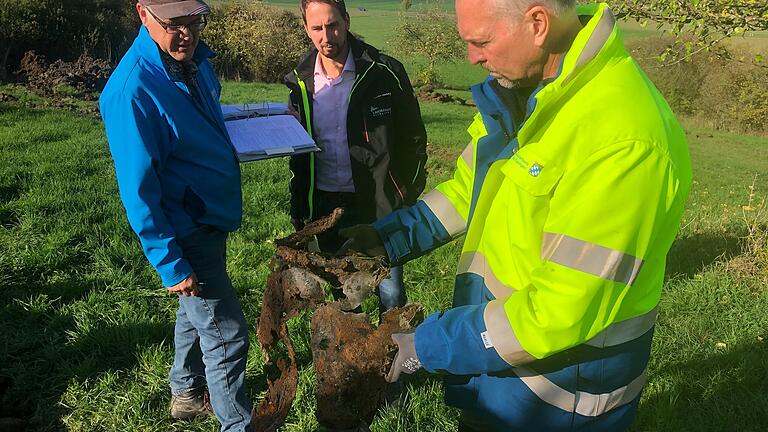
{"x":569,"y":212}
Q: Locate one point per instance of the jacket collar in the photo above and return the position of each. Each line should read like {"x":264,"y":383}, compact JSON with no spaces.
{"x":600,"y":34}
{"x":597,"y":42}
{"x":150,"y":52}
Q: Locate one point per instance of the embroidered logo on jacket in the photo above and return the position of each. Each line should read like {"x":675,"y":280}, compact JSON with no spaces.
{"x":380,"y":111}
{"x":535,"y":169}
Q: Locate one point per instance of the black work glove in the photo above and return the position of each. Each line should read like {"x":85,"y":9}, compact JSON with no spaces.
{"x":406,"y":360}
{"x":362,"y":238}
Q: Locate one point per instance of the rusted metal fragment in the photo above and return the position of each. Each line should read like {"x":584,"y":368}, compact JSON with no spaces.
{"x":294,"y":285}
{"x":356,"y":274}
{"x":351,"y":358}
{"x":300,"y":239}
{"x":364,"y":271}
{"x":289,"y":290}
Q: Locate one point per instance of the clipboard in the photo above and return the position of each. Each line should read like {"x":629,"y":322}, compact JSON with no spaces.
{"x":264,"y":131}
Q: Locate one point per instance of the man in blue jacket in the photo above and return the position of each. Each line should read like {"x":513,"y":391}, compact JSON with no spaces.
{"x":179,"y":181}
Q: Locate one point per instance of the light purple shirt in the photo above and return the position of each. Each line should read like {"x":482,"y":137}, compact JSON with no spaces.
{"x":333,"y":169}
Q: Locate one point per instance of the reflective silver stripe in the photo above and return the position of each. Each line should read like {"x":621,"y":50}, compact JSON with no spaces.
{"x":475,"y":262}
{"x":625,"y":331}
{"x":590,"y":258}
{"x":596,"y":41}
{"x":582,"y":403}
{"x":468,"y":155}
{"x":502,"y":336}
{"x":445,"y":212}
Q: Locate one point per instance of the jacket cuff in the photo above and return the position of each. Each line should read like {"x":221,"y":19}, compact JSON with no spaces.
{"x":393,"y":237}
{"x":174,"y":272}
{"x":452,"y":342}
{"x":410,"y":232}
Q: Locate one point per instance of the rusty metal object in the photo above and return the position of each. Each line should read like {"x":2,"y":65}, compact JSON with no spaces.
{"x":357,"y":275}
{"x":289,"y":290}
{"x":350,"y":379}
{"x":351,"y":358}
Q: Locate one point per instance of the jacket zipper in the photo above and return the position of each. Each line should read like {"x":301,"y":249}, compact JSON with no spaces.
{"x":308,"y":120}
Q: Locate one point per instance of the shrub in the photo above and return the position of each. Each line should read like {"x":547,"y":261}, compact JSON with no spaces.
{"x":734,"y":94}
{"x":724,"y":88}
{"x":680,"y":83}
{"x":65,"y":29}
{"x":255,"y":41}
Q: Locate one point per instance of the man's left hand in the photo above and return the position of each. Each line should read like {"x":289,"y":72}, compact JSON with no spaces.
{"x":406,"y":360}
{"x":188,"y":287}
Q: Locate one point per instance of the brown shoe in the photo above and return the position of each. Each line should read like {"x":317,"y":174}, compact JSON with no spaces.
{"x":190,"y":404}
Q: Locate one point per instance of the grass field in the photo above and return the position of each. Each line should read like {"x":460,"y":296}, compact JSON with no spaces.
{"x":87,"y":328}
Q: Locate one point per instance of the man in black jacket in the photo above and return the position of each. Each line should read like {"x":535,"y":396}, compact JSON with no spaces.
{"x":359,"y":106}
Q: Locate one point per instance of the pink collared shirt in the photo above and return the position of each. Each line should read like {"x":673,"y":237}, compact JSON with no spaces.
{"x":333,"y":169}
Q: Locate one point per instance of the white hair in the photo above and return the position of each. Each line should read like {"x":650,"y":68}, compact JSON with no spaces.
{"x":518,"y":7}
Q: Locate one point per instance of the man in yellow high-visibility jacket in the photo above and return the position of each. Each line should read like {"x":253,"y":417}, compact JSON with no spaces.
{"x":570,"y":193}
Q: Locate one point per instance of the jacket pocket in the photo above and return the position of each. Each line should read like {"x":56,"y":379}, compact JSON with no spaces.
{"x":531,"y":171}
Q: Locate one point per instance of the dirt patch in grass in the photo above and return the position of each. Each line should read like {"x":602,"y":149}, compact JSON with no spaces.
{"x":751,"y":270}
{"x":5,"y":97}
{"x":442,"y":153}
{"x":83,"y":78}
{"x":74,"y":86}
{"x":429,"y":94}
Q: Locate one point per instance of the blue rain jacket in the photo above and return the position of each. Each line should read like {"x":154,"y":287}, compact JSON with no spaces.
{"x":176,"y":168}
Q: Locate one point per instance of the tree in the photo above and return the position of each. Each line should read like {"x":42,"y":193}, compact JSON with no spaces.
{"x":705,"y":22}
{"x":255,"y":41}
{"x":431,"y":34}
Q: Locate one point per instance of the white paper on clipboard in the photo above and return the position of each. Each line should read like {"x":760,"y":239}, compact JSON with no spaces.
{"x":257,"y":136}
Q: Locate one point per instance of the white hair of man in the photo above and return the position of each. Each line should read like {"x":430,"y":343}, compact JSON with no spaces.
{"x":517,"y":8}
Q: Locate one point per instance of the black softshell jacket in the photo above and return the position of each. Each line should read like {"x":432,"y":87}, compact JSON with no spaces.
{"x":386,"y":136}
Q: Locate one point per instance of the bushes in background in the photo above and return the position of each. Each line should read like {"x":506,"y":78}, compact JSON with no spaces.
{"x":65,"y":29}
{"x":724,"y":89}
{"x":254,"y":41}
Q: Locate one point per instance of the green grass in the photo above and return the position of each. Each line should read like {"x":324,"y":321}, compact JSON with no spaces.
{"x":88,"y":329}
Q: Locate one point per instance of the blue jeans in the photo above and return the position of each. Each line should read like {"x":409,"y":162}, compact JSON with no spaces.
{"x":392,"y":290}
{"x":211,"y":334}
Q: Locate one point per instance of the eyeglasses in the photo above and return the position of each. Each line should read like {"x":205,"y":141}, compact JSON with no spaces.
{"x":195,"y":27}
